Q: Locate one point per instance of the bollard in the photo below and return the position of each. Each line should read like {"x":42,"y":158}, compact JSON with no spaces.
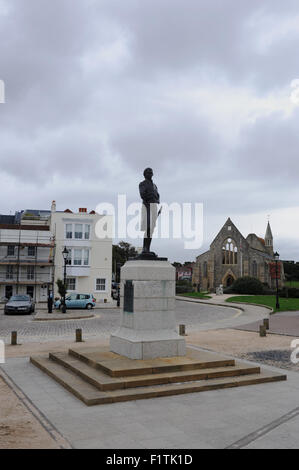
{"x":79,"y":336}
{"x":263,"y":331}
{"x":182,"y":330}
{"x":14,"y":338}
{"x":266,"y":323}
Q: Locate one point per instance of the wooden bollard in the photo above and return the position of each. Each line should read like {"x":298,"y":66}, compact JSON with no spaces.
{"x":79,"y":336}
{"x":263,"y":331}
{"x":266,"y":323}
{"x":14,"y":338}
{"x":182,"y":330}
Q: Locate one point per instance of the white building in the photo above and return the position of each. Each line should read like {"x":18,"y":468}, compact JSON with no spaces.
{"x":89,"y":267}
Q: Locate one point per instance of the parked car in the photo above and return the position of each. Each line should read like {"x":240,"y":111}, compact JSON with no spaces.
{"x":77,"y":301}
{"x":22,"y":304}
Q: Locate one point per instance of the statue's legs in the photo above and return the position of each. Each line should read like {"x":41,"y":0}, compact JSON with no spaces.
{"x":149,"y":225}
{"x":146,"y":245}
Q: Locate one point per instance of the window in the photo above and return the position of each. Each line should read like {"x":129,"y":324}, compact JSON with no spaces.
{"x":69,"y":257}
{"x":79,"y":231}
{"x":229,"y":252}
{"x":9,"y":272}
{"x":86,"y":257}
{"x":254,"y":269}
{"x":72,"y":297}
{"x":31,"y":250}
{"x":30,"y":273}
{"x":77,"y":257}
{"x":266,"y":268}
{"x":71,"y":283}
{"x":87,"y":232}
{"x":205,"y":269}
{"x":10,"y":251}
{"x":101,"y":285}
{"x":69,"y":231}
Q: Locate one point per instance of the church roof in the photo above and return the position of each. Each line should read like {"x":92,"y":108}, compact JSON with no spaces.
{"x":268,"y":232}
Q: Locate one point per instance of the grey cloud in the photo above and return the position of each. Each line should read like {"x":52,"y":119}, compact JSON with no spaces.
{"x":78,"y":126}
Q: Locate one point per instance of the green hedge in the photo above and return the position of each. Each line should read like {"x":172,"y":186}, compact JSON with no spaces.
{"x":184,"y":287}
{"x":247,"y":285}
{"x":289,"y":292}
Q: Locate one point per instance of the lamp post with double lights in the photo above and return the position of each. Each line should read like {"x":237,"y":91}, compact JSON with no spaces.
{"x":276,"y":257}
{"x":65,"y":254}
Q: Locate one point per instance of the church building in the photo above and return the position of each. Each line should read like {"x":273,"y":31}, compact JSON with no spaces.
{"x":232,"y":256}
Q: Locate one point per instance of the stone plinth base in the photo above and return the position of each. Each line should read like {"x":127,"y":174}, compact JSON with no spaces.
{"x":147,"y":344}
{"x":148,"y":328}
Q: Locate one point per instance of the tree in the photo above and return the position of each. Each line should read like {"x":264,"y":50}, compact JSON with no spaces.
{"x":61,"y":288}
{"x":121,"y":253}
{"x":177,"y":265}
{"x":291,"y":271}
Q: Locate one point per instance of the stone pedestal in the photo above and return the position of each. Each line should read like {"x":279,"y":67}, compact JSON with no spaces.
{"x":148,"y":326}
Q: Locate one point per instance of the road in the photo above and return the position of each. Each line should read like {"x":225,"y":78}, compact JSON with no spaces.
{"x":195,"y":316}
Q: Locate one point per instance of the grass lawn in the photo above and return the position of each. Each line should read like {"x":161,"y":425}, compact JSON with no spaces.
{"x":196,"y":295}
{"x":269,"y":300}
{"x":292,"y":284}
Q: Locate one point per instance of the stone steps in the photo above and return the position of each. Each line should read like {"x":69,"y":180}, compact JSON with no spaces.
{"x":91,"y":384}
{"x":119,"y":366}
{"x":105,"y":382}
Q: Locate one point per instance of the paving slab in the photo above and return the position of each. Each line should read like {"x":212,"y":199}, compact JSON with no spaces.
{"x":215,"y":419}
{"x":286,"y":323}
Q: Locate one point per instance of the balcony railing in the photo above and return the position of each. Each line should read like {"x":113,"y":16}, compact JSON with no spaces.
{"x":24,"y":279}
{"x":26,"y":262}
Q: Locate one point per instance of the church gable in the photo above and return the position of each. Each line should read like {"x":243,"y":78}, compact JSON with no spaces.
{"x":229,"y":231}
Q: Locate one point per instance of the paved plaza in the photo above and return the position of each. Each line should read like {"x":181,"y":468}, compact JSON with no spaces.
{"x":259,"y":416}
{"x":246,"y":417}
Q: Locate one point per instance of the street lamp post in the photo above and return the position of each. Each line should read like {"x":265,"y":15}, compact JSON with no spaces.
{"x":276,"y":257}
{"x":65,"y":256}
{"x":118,"y":266}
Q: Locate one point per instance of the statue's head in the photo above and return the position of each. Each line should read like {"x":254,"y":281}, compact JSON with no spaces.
{"x":148,"y":173}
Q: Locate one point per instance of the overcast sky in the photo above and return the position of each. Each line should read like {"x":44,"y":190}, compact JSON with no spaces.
{"x":203,"y":91}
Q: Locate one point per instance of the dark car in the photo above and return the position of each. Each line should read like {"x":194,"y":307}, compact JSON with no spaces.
{"x":22,"y":304}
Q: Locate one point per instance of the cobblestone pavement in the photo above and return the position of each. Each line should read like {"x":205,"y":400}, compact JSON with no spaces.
{"x":194,"y":316}
{"x":277,"y":358}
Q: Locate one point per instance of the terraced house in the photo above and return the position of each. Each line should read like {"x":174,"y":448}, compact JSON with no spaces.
{"x":31,"y":260}
{"x":231,"y":256}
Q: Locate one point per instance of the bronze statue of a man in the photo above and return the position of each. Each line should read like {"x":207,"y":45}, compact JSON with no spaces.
{"x":150,"y":198}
